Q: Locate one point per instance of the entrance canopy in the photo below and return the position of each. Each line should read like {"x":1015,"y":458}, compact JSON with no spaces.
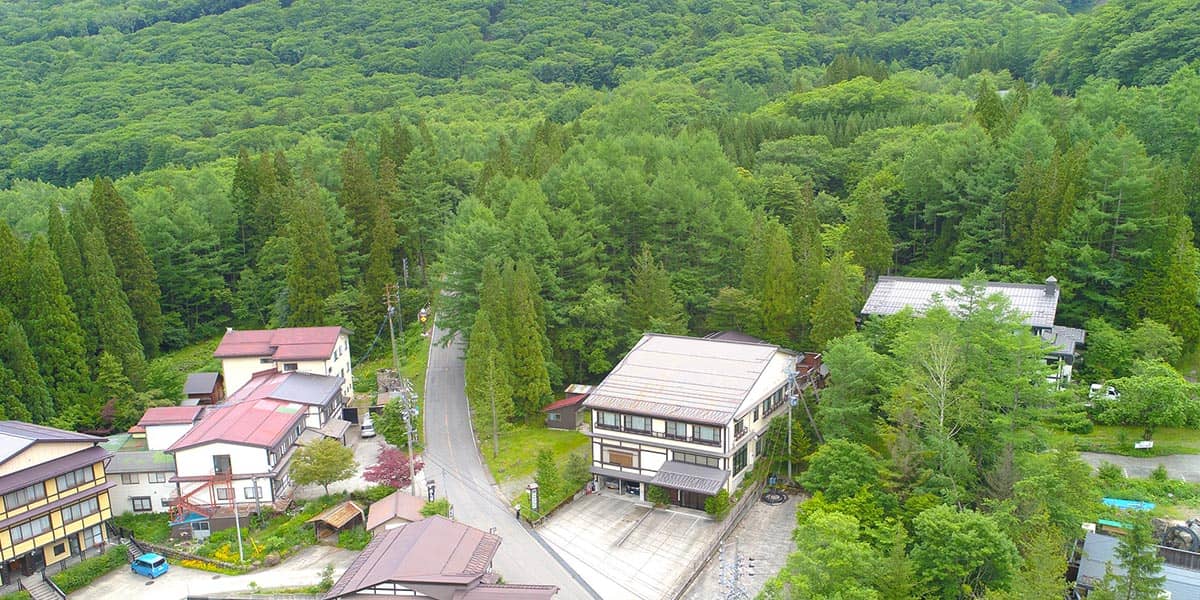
{"x":690,"y":478}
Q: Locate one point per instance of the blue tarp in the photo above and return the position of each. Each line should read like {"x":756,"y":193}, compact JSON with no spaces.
{"x":1128,"y":504}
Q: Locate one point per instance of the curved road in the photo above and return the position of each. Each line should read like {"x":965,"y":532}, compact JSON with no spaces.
{"x":452,"y":459}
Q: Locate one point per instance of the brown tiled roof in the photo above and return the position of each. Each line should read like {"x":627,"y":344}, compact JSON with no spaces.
{"x":292,"y":343}
{"x":52,"y":468}
{"x":435,"y":550}
{"x":397,"y":505}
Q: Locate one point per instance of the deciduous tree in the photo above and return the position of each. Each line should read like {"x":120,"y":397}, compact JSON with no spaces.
{"x":323,"y":462}
{"x":391,"y":468}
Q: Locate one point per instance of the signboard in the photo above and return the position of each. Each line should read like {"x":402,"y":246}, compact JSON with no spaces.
{"x":534,"y":502}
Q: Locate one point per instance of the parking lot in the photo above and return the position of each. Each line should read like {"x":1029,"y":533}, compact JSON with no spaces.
{"x":623,"y":548}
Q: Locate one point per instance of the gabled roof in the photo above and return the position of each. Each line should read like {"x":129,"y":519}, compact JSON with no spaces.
{"x":691,"y":379}
{"x":52,"y":468}
{"x":261,"y":423}
{"x":338,"y":515}
{"x":565,"y":402}
{"x":16,"y":436}
{"x":291,"y":343}
{"x":200,"y":383}
{"x":292,"y":386}
{"x":399,"y":505}
{"x":169,"y":415}
{"x":507,"y":591}
{"x":435,"y":550}
{"x":690,"y":477}
{"x":1038,"y":302}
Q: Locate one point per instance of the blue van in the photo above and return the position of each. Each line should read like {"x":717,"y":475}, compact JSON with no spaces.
{"x":151,"y":565}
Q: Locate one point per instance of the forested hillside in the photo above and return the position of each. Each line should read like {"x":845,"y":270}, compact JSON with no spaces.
{"x":559,"y":177}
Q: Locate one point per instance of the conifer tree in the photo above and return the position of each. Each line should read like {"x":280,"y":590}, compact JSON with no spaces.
{"x":487,"y":379}
{"x":494,"y":300}
{"x":116,"y":328}
{"x":23,"y":393}
{"x":358,"y":196}
{"x":530,"y":377}
{"x":133,"y":266}
{"x":379,"y":274}
{"x":396,"y":143}
{"x":53,"y":329}
{"x":809,"y":255}
{"x":837,"y":301}
{"x":283,"y":170}
{"x":990,"y":111}
{"x":1137,"y":555}
{"x":867,"y":233}
{"x":114,"y":395}
{"x":312,"y":274}
{"x":242,"y":195}
{"x":650,"y":302}
{"x":778,"y":296}
{"x":14,"y":272}
{"x":268,"y":204}
{"x":70,"y":264}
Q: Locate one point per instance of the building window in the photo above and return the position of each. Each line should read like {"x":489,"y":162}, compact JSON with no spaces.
{"x":289,"y":367}
{"x":222,"y":464}
{"x":93,"y":536}
{"x":142,"y":504}
{"x":739,"y":460}
{"x":90,"y":506}
{"x":24,"y":496}
{"x":607,"y":420}
{"x":755,"y":414}
{"x":129,"y":478}
{"x":555,"y":417}
{"x":157,"y":477}
{"x":706,"y":435}
{"x":266,"y":361}
{"x":739,"y":428}
{"x":199,"y":525}
{"x":252,"y":492}
{"x":224,"y":493}
{"x":60,"y":548}
{"x":30,"y":529}
{"x":676,"y":430}
{"x":75,"y":478}
{"x":637,"y":423}
{"x":620,"y":458}
{"x":759,"y":445}
{"x":696,"y":459}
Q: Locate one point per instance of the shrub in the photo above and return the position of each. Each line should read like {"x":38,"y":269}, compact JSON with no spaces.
{"x":372,"y":494}
{"x":441,"y":506}
{"x":77,"y":576}
{"x":577,"y":470}
{"x":17,"y":595}
{"x":718,"y":505}
{"x":151,"y":527}
{"x":354,"y":539}
{"x":658,"y":495}
{"x":1159,"y":474}
{"x":1110,"y":473}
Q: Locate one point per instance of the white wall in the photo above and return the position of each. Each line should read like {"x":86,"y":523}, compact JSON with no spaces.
{"x":160,"y":437}
{"x":40,"y":453}
{"x":122,"y":494}
{"x":237,"y":371}
{"x":197,"y":460}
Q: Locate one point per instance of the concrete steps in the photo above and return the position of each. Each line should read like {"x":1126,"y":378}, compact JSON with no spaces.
{"x":39,"y":590}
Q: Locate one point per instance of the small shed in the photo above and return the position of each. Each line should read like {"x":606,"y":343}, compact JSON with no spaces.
{"x":564,"y":413}
{"x":204,"y":388}
{"x":337,"y":518}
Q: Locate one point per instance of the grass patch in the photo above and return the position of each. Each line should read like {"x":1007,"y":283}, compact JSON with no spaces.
{"x":280,"y":534}
{"x":150,"y":527}
{"x":168,"y":372}
{"x":1119,"y":439}
{"x":519,"y":448}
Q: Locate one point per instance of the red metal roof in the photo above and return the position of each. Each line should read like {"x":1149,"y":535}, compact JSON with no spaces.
{"x":291,"y":343}
{"x":261,"y":423}
{"x":169,"y":415}
{"x":565,"y":402}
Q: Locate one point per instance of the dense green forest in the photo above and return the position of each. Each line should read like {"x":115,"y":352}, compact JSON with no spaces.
{"x":559,"y":177}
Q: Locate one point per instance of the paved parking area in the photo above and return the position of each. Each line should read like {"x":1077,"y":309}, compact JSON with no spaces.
{"x":605,"y":539}
{"x":765,"y":534}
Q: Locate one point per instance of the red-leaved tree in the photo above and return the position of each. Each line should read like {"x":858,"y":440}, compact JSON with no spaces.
{"x":392,"y":468}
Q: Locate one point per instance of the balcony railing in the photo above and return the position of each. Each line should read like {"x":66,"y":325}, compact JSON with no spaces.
{"x":659,"y":434}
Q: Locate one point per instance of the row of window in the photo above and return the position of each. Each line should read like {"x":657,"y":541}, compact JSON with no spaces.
{"x":37,"y":491}
{"x":134,"y":478}
{"x":75,"y":478}
{"x":674,"y":429}
{"x":696,"y":459}
{"x":40,"y":525}
{"x":80,"y":510}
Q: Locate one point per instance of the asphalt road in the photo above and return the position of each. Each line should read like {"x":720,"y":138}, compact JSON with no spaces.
{"x":453,"y":462}
{"x":1179,"y":466}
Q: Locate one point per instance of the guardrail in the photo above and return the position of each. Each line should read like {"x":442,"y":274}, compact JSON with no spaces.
{"x":693,"y":570}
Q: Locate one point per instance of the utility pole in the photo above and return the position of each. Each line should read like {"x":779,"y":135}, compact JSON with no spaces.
{"x":391,"y":295}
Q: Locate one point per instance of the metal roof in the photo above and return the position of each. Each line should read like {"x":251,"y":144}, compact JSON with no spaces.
{"x":16,"y":436}
{"x":893,"y":294}
{"x":691,"y":379}
{"x":690,"y":478}
{"x":435,"y":550}
{"x":1066,"y":340}
{"x":200,"y":383}
{"x":1099,"y":550}
{"x":398,"y":505}
{"x":290,"y":343}
{"x":292,"y":386}
{"x":52,"y":468}
{"x":565,"y":402}
{"x":261,"y":423}
{"x":338,"y":515}
{"x":169,"y":415}
{"x":508,"y":591}
{"x":142,"y":461}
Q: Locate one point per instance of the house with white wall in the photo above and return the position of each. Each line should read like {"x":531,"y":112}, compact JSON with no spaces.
{"x":317,"y":350}
{"x":143,"y":481}
{"x":690,"y":414}
{"x":320,"y":394}
{"x":164,"y":425}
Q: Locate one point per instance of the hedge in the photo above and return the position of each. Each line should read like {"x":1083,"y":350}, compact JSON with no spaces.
{"x":77,"y":576}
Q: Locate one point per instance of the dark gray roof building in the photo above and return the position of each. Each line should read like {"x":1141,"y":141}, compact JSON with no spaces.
{"x":200,"y":383}
{"x":1099,"y":550}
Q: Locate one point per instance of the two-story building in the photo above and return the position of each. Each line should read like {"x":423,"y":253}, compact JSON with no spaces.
{"x":321,"y":394}
{"x":318,"y":350}
{"x":54,"y":496}
{"x":689,"y":414}
{"x":236,"y":456}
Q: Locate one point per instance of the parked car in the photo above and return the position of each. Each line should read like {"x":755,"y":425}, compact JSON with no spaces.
{"x":1098,"y":390}
{"x":151,"y":565}
{"x":368,"y":428}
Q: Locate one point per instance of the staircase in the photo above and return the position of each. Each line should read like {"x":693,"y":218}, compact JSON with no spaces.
{"x":39,"y":590}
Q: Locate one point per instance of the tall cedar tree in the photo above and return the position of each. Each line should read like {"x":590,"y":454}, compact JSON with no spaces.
{"x":52,"y":328}
{"x":494,"y":300}
{"x":312,"y":274}
{"x":133,"y":266}
{"x":14,"y":271}
{"x":779,"y":286}
{"x":395,"y":143}
{"x":23,"y":393}
{"x":113,"y":393}
{"x":650,"y":302}
{"x":530,"y":377}
{"x":243,"y":194}
{"x":116,"y":328}
{"x":380,"y":273}
{"x":837,"y":301}
{"x":359,"y":195}
{"x":867,"y":230}
{"x":809,"y":255}
{"x":70,"y":264}
{"x":268,"y":202}
{"x":488,"y":386}
{"x":990,"y":111}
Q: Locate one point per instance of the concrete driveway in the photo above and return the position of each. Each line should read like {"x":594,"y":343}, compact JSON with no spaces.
{"x":1179,"y":466}
{"x":302,"y":569}
{"x":623,"y":549}
{"x":764,"y":534}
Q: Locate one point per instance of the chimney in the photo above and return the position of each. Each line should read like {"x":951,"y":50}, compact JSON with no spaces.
{"x":1051,"y":286}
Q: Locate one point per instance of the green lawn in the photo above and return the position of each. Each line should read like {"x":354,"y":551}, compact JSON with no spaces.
{"x":519,"y":448}
{"x":1119,"y":439}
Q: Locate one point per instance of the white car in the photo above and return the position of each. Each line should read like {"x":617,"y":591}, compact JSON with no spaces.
{"x":1098,"y":390}
{"x":368,"y":428}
